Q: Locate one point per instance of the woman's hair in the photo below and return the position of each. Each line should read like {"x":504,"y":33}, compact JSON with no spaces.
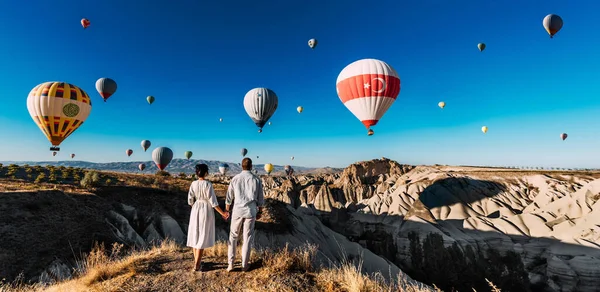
{"x":201,"y":170}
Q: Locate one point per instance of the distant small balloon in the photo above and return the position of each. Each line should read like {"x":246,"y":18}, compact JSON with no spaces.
{"x":312,"y":43}
{"x":129,"y":152}
{"x":300,"y":109}
{"x":563,"y":136}
{"x":484,"y":129}
{"x":150,"y":99}
{"x":481,"y":46}
{"x":441,"y":104}
{"x":72,"y":155}
{"x":221,"y":119}
{"x":552,"y":23}
{"x":142,"y":166}
{"x":85,"y":23}
{"x":54,"y":153}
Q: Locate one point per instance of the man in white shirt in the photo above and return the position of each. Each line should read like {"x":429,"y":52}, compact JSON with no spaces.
{"x":246,"y":191}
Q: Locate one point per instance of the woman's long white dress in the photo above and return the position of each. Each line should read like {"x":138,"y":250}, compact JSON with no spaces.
{"x":201,"y":230}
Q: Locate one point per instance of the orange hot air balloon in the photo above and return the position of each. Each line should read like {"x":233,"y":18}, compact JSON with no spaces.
{"x":85,"y":23}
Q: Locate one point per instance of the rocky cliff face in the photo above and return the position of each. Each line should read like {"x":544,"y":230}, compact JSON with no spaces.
{"x":551,"y":219}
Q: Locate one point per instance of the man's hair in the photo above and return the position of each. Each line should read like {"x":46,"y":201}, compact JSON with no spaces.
{"x":247,"y":164}
{"x":201,"y":170}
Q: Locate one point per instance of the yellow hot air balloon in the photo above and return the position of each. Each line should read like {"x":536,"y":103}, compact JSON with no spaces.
{"x":268,"y":168}
{"x":484,"y":129}
{"x":300,"y":109}
{"x":58,"y":108}
{"x":441,"y":104}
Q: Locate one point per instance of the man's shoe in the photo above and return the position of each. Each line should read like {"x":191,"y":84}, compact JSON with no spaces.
{"x":229,"y":268}
{"x":246,"y":268}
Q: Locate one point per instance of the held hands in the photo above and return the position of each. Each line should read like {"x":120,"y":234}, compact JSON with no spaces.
{"x":225,"y":215}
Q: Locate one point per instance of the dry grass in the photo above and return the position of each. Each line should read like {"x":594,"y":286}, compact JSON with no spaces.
{"x":166,"y":268}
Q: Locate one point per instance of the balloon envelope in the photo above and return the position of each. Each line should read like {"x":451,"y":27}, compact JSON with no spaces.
{"x":85,"y":23}
{"x":260,"y":104}
{"x":188,"y":154}
{"x":145,"y":145}
{"x":129,"y":152}
{"x":300,"y":109}
{"x":162,"y":156}
{"x":244,"y":151}
{"x":73,"y":155}
{"x":142,"y":166}
{"x":312,"y":43}
{"x":106,"y":87}
{"x":368,"y":88}
{"x":481,"y":46}
{"x":552,"y":23}
{"x":58,"y":109}
{"x":223,"y":167}
{"x":268,"y":168}
{"x":150,"y":99}
{"x":484,"y":129}
{"x":441,"y":104}
{"x":563,"y":136}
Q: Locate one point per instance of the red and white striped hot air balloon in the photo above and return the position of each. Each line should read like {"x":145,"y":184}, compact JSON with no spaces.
{"x":368,"y":87}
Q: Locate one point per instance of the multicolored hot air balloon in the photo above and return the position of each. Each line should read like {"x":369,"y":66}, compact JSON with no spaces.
{"x":484,"y":129}
{"x":244,"y":151}
{"x":312,"y":43}
{"x":260,"y":104}
{"x":54,"y":153}
{"x":58,"y":108}
{"x":142,"y":166}
{"x":268,"y":168}
{"x":72,"y":155}
{"x":162,"y":156}
{"x":368,"y":87}
{"x":563,"y":136}
{"x":223,"y":167}
{"x":150,"y":99}
{"x":145,"y":145}
{"x":481,"y":46}
{"x":85,"y":23}
{"x":129,"y":152}
{"x":106,"y":87}
{"x":300,"y":109}
{"x":441,"y":104}
{"x":188,"y":154}
{"x":552,"y":23}
{"x":288,"y":170}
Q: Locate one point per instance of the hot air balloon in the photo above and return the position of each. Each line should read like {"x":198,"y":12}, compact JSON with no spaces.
{"x":481,"y":46}
{"x":188,"y":154}
{"x":85,"y":23}
{"x":368,"y":87}
{"x":72,"y":155}
{"x":292,"y":157}
{"x":220,"y":119}
{"x":54,"y":153}
{"x":563,"y":136}
{"x":441,"y":104}
{"x":256,"y":156}
{"x":269,"y":123}
{"x":150,"y":99}
{"x":300,"y":109}
{"x":260,"y":104}
{"x":484,"y":129}
{"x":58,"y":109}
{"x":244,"y":151}
{"x":129,"y":152}
{"x":145,"y":145}
{"x":312,"y":43}
{"x":142,"y":166}
{"x":162,"y":157}
{"x":106,"y":87}
{"x":288,"y":170}
{"x":552,"y":23}
{"x":223,"y":167}
{"x":268,"y":168}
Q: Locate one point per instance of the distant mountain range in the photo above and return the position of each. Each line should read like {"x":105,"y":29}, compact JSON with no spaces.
{"x":176,"y":166}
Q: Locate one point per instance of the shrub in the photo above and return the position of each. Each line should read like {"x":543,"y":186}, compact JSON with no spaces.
{"x":52,"y":177}
{"x":90,"y":179}
{"x":162,"y":173}
{"x":37,"y":168}
{"x":40,"y":178}
{"x":1,"y":165}
{"x":108,"y":182}
{"x":28,"y":170}
{"x":65,"y":174}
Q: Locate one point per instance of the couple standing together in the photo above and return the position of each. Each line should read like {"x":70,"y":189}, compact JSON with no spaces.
{"x":246,"y":192}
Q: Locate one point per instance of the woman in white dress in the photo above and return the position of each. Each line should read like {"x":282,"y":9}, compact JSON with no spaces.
{"x":201,"y":231}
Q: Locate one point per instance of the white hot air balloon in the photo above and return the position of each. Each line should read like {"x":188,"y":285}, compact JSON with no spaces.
{"x":368,"y":88}
{"x":260,"y":104}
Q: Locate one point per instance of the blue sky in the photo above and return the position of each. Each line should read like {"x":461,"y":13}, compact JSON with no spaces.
{"x":199,"y":60}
